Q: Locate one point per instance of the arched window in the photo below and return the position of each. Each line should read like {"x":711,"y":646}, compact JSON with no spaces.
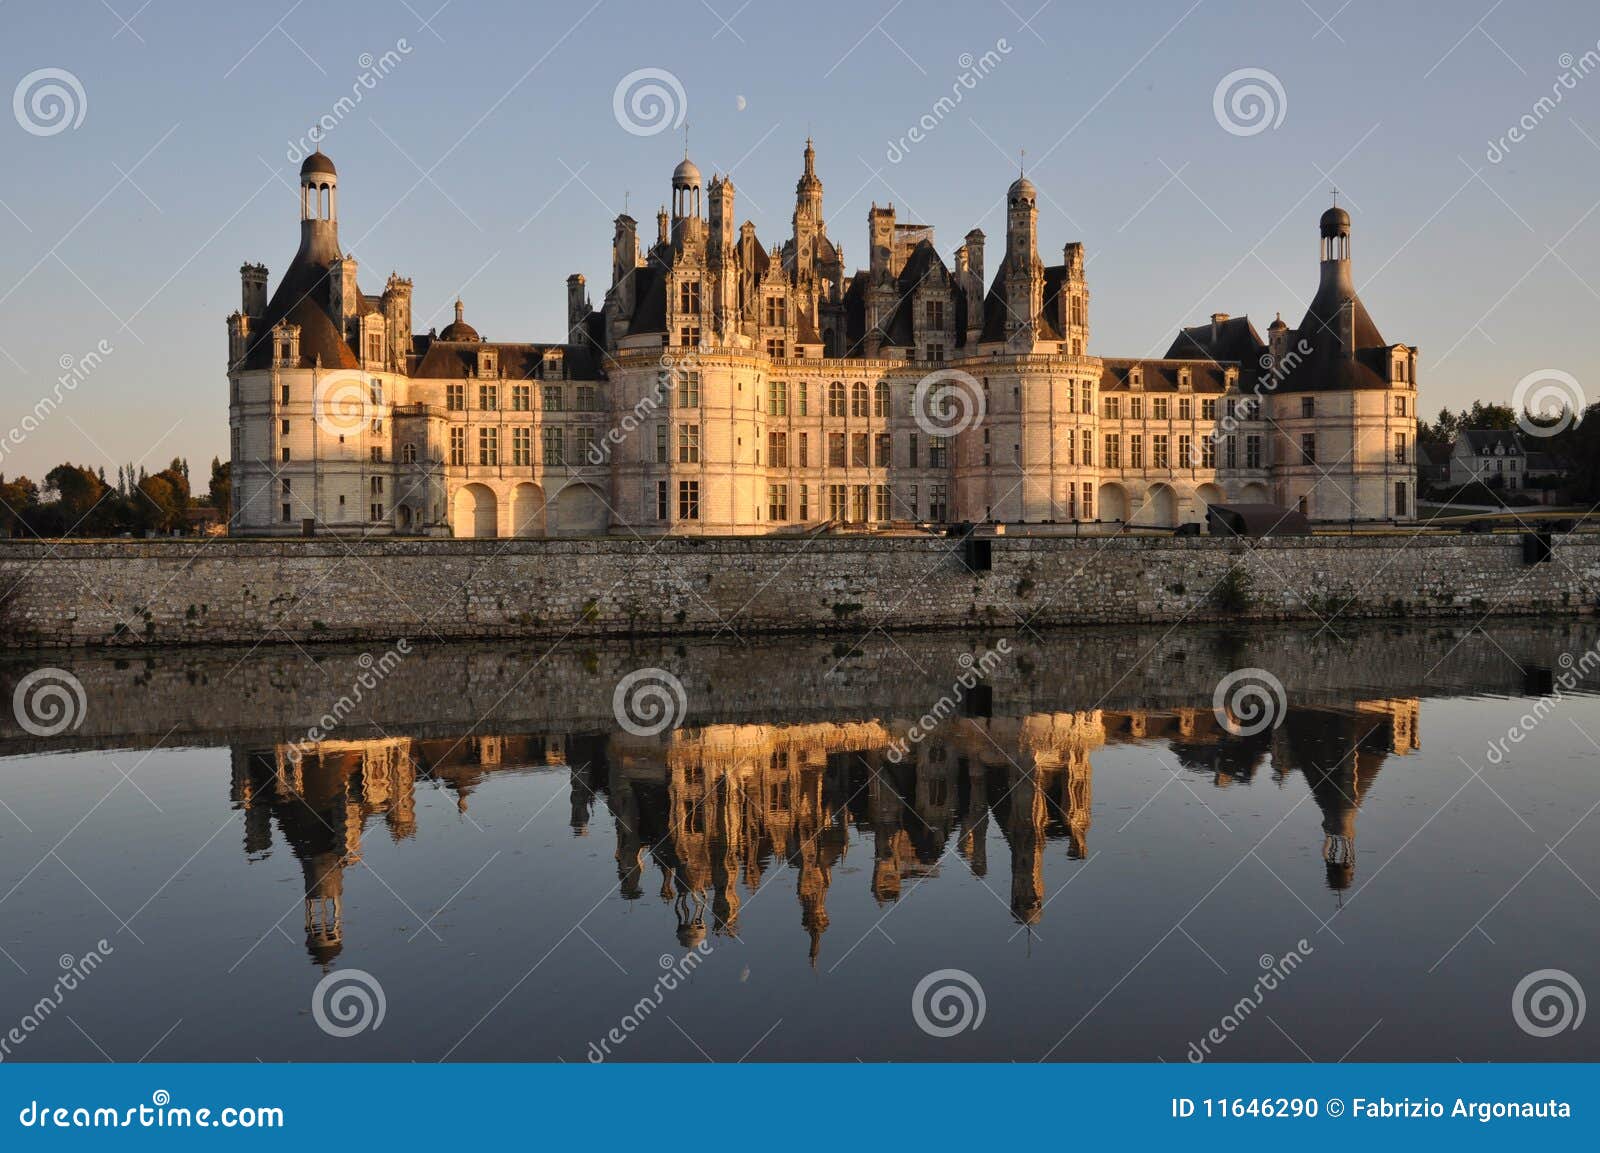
{"x":858,"y":399}
{"x":836,"y":398}
{"x":880,"y":398}
{"x":408,"y":453}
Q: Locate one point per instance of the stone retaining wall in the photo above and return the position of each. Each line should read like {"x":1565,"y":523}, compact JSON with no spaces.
{"x":223,"y":591}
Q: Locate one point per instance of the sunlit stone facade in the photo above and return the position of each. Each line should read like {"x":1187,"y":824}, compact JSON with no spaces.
{"x":724,"y":387}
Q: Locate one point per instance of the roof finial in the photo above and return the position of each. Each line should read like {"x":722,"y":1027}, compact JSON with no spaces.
{"x":459,"y":310}
{"x":686,"y":138}
{"x":1022,"y":165}
{"x":1335,"y":191}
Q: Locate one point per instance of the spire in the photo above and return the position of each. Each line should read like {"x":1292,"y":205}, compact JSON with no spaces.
{"x":460,"y":310}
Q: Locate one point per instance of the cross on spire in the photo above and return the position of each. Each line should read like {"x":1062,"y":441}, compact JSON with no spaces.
{"x":1335,"y":191}
{"x":1022,"y":165}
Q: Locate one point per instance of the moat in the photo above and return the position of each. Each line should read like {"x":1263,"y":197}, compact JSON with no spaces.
{"x":1109,"y":858}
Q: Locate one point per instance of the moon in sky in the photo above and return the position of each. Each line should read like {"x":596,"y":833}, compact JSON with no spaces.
{"x":739,"y":103}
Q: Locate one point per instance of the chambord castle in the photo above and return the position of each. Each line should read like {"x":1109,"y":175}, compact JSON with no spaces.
{"x":723,"y":386}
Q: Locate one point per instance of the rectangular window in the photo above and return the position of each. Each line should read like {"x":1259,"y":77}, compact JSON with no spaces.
{"x":778,"y":449}
{"x":1185,"y":408}
{"x":284,"y":428}
{"x":1111,"y":407}
{"x":836,"y":450}
{"x":661,"y":500}
{"x":805,"y":502}
{"x":858,"y":504}
{"x":1136,"y":407}
{"x":1308,"y":448}
{"x":1088,"y":501}
{"x":1208,"y":452}
{"x":836,"y":502}
{"x":286,"y":514}
{"x":1233,"y":452}
{"x":285,"y":454}
{"x":1113,"y":456}
{"x":521,"y":446}
{"x":555,"y":397}
{"x":688,"y":444}
{"x":1158,"y":450}
{"x":777,"y":502}
{"x":688,"y":387}
{"x":1400,"y":449}
{"x":458,"y":447}
{"x":455,"y":397}
{"x":1208,"y":408}
{"x":1252,"y":450}
{"x":801,"y":398}
{"x":377,"y":486}
{"x":1308,"y":406}
{"x":661,"y":443}
{"x":777,"y":398}
{"x":588,"y":398}
{"x":936,"y":452}
{"x":488,"y":397}
{"x":936,"y":352}
{"x":1185,"y":451}
{"x":1399,"y":404}
{"x":880,"y":503}
{"x":688,"y":500}
{"x":777,"y":348}
{"x":583,"y":445}
{"x":689,"y":297}
{"x":911,"y":501}
{"x":777,"y":311}
{"x":1088,"y":446}
{"x":858,"y":451}
{"x":935,"y":314}
{"x":285,"y":398}
{"x":938,"y":503}
{"x":1159,"y":404}
{"x":488,"y":446}
{"x":521,"y":400}
{"x":377,"y":454}
{"x":805,"y":450}
{"x":1399,"y":498}
{"x":689,"y":335}
{"x":1135,"y":451}
{"x":881,"y":450}
{"x":554,"y":447}
{"x":911,"y":450}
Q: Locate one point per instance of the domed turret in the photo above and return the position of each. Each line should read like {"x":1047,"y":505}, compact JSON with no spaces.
{"x":318,"y":164}
{"x":686,"y":175}
{"x":685,"y":190}
{"x":1021,"y":191}
{"x":1335,"y":222}
{"x":460,"y":330}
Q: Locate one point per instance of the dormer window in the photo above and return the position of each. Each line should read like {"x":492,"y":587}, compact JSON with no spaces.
{"x":1136,"y":377}
{"x":1185,"y":378}
{"x":689,"y":297}
{"x":486,"y":364}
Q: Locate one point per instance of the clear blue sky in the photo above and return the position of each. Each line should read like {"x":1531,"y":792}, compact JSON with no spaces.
{"x":130,"y":226}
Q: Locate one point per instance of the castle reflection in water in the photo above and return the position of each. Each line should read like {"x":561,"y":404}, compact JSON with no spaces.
{"x":702,"y":817}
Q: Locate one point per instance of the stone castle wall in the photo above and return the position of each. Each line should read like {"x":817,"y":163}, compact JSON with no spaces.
{"x":244,"y":592}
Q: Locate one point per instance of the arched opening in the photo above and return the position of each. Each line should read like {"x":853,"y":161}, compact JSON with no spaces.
{"x":1113,"y":503}
{"x":474,"y":514}
{"x":527,"y":510}
{"x":1210,"y":494}
{"x":1160,"y":508}
{"x":1255,"y":494}
{"x":580,"y":511}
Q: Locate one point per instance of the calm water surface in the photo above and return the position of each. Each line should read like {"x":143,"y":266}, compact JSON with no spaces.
{"x":1085,"y":841}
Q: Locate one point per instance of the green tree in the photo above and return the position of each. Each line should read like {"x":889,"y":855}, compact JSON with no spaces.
{"x":222,"y":487}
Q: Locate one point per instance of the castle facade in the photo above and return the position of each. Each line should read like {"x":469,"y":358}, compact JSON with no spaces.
{"x":727,"y":387}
